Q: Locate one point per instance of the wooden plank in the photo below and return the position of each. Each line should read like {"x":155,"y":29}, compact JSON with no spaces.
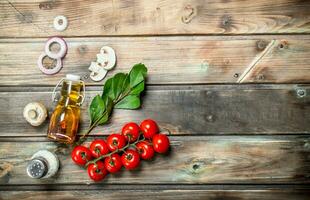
{"x":214,"y":159}
{"x":269,"y":68}
{"x":31,"y":18}
{"x":171,"y":60}
{"x":156,"y":187}
{"x":212,"y":109}
{"x":161,"y":194}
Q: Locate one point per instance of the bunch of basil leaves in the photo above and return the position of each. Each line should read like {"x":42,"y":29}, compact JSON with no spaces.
{"x":122,"y":91}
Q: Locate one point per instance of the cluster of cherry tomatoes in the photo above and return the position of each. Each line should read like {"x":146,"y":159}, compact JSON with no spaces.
{"x":126,"y":149}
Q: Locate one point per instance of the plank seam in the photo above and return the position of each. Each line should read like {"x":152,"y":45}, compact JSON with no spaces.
{"x":256,"y":61}
{"x":166,"y":35}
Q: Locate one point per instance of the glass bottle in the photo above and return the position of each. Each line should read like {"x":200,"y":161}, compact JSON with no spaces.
{"x":64,"y":121}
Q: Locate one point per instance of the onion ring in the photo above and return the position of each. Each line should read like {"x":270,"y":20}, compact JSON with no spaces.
{"x":56,"y":69}
{"x":63,"y":48}
{"x":60,"y":26}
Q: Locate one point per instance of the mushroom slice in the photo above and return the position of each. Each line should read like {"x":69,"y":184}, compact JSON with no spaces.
{"x":106,"y":58}
{"x":97,"y":72}
{"x":35,"y":113}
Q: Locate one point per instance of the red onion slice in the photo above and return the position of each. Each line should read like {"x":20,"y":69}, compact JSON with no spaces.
{"x":63,"y":47}
{"x":56,"y":69}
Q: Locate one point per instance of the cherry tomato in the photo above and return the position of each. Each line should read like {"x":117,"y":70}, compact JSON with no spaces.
{"x":81,"y":155}
{"x":149,"y":128}
{"x":161,"y":143}
{"x":98,"y":148}
{"x":130,"y":159}
{"x":131,"y":131}
{"x":97,"y":171}
{"x":113,"y":163}
{"x":116,"y":141}
{"x":145,"y":150}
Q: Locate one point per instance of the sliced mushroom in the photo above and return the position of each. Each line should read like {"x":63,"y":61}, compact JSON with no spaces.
{"x":106,"y":58}
{"x":97,"y":72}
{"x":35,"y":113}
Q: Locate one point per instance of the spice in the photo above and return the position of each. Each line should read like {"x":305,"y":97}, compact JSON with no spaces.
{"x":43,"y":164}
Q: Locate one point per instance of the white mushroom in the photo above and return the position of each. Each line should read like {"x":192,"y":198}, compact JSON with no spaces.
{"x":97,"y":72}
{"x":106,"y":58}
{"x":35,"y":113}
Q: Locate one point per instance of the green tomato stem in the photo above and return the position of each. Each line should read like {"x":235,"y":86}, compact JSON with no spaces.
{"x":116,"y":151}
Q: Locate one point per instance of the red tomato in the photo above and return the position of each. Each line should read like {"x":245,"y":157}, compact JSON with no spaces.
{"x":98,"y":148}
{"x":130,"y":159}
{"x":131,"y":131}
{"x":113,"y":163}
{"x":116,"y":141}
{"x":161,"y":143}
{"x":145,"y":150}
{"x":149,"y":128}
{"x":81,"y":155}
{"x":97,"y":171}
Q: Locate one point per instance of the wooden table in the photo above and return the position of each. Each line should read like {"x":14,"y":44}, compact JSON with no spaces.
{"x":230,"y":79}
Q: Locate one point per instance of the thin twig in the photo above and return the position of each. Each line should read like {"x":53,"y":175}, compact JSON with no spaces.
{"x":25,"y":18}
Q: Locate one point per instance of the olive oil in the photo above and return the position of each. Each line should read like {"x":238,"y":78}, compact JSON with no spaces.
{"x":65,"y":119}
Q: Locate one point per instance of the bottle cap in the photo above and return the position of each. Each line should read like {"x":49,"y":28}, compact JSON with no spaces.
{"x":73,"y":77}
{"x":37,"y":168}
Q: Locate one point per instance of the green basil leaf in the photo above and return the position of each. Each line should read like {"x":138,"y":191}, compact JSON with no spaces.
{"x":122,"y":88}
{"x":96,"y":108}
{"x":121,"y":91}
{"x":137,"y":74}
{"x":118,"y":83}
{"x":137,"y":89}
{"x":126,"y":85}
{"x":129,"y":102}
{"x":114,"y":86}
{"x":109,"y":106}
{"x":107,"y":88}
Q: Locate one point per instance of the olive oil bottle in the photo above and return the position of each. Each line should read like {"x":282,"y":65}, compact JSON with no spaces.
{"x":65,"y":119}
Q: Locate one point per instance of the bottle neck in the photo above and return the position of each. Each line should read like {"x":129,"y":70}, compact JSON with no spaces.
{"x":71,"y":93}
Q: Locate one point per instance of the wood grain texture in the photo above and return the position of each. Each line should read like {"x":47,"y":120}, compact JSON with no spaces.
{"x":212,"y":109}
{"x":192,"y":160}
{"x":171,"y":60}
{"x":158,"y":194}
{"x":117,"y":17}
{"x":227,"y":140}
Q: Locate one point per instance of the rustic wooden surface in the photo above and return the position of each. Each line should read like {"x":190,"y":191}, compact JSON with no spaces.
{"x":171,"y":60}
{"x":192,"y":160}
{"x":229,"y":79}
{"x":162,"y":194}
{"x":157,"y":17}
{"x":218,"y":109}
